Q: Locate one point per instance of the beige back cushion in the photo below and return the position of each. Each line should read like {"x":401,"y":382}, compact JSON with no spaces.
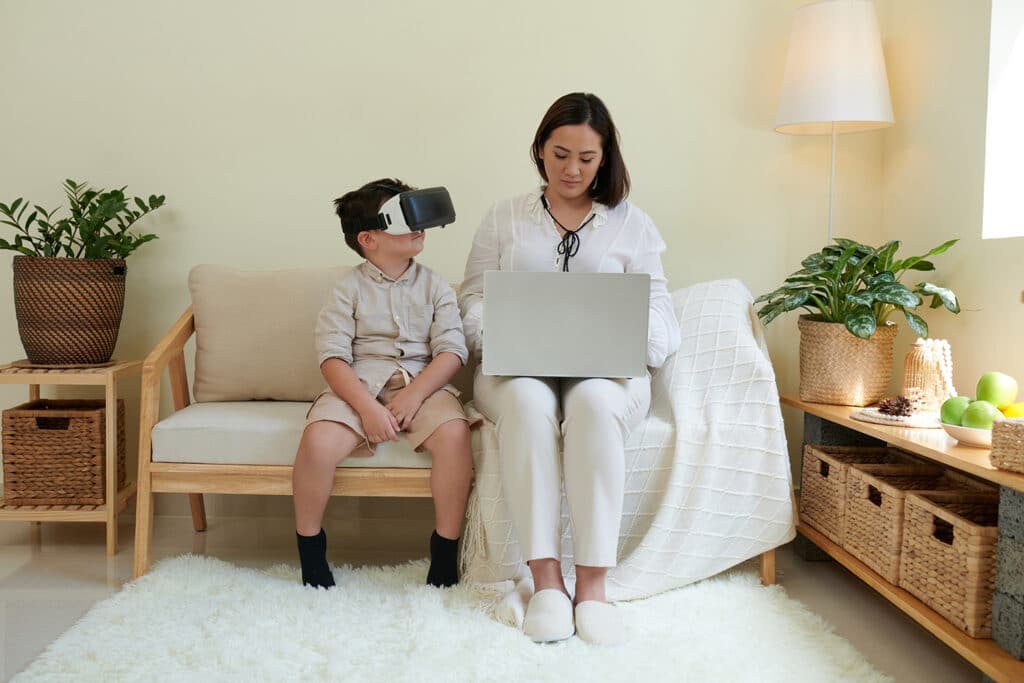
{"x":254,"y":332}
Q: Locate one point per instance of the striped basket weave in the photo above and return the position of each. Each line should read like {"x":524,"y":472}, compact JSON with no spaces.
{"x":823,"y":482}
{"x":948,"y":559}
{"x":1008,"y":445}
{"x":841,"y":369}
{"x":68,"y":310}
{"x":54,"y":452}
{"x":875,"y":497}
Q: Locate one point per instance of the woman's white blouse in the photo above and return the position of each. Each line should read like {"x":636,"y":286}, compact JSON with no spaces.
{"x":518,"y":235}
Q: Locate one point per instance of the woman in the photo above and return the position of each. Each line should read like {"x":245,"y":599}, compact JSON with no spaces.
{"x":578,"y":221}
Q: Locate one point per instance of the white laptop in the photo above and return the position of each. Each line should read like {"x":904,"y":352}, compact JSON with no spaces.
{"x":565,"y":324}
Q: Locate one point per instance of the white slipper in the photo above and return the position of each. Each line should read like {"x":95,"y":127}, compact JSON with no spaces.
{"x":548,"y":616}
{"x":599,"y":623}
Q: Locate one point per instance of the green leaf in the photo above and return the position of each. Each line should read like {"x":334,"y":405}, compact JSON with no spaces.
{"x":940,"y":294}
{"x":879,"y":278}
{"x":770,"y":313}
{"x":141,"y":204}
{"x":923,"y":265}
{"x":886,"y":253}
{"x":16,"y":204}
{"x":916,"y":323}
{"x":863,"y":298}
{"x":942,"y":248}
{"x":896,"y":294}
{"x":861,"y":322}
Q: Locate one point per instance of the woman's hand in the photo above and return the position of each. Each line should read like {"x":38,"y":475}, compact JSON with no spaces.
{"x":405,"y":404}
{"x":379,"y":424}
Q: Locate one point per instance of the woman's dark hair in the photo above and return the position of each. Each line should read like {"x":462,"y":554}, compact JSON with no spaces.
{"x":577,"y":108}
{"x":360,"y":207}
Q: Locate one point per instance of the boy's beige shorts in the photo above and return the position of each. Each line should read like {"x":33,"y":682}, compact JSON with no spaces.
{"x":440,"y":407}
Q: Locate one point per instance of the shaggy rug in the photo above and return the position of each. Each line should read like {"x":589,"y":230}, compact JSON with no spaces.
{"x":198,"y":618}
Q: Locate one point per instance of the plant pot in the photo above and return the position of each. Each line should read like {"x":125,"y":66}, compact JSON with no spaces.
{"x":839,"y":368}
{"x":68,"y":310}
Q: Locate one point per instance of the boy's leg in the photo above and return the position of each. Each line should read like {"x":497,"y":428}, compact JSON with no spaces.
{"x":451,"y":475}
{"x":324,"y":444}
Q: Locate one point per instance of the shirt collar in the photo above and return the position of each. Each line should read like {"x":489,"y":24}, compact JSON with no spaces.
{"x":536,"y":208}
{"x":377,"y":275}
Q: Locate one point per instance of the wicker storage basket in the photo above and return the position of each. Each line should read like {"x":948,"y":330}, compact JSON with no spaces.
{"x":875,"y":495}
{"x":54,"y":452}
{"x":1008,"y":445}
{"x":948,"y":556}
{"x":823,"y":483}
{"x":839,"y":368}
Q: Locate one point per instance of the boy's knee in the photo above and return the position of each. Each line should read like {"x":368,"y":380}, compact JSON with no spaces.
{"x":326,"y":441}
{"x":450,"y":435}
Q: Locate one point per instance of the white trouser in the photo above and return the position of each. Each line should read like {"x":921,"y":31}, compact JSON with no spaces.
{"x":592,"y":417}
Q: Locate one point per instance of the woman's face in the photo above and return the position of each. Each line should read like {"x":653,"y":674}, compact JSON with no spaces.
{"x":571,"y":157}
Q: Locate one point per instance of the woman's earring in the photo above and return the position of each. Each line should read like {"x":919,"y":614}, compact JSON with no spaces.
{"x":594,"y":185}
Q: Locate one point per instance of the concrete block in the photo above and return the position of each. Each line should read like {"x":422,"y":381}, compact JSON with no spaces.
{"x":1011,"y":513}
{"x":1008,"y":623}
{"x":825,"y":433}
{"x":1010,"y":567}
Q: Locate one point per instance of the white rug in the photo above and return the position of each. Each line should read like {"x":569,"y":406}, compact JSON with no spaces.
{"x":198,"y":618}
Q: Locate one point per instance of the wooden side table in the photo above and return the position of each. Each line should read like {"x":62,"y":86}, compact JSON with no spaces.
{"x":1000,"y":657}
{"x":106,"y":377}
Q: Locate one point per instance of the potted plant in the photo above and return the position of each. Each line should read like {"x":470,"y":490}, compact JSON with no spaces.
{"x":70,"y":272}
{"x":849,"y":291}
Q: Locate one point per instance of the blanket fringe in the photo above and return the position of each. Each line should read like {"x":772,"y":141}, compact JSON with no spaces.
{"x":474,"y":536}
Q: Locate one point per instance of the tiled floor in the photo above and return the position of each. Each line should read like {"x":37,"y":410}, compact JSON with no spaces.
{"x":50,"y":576}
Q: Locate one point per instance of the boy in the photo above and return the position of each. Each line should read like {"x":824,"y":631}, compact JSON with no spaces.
{"x":388,"y":341}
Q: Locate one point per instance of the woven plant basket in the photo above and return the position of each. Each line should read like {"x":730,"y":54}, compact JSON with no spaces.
{"x":823,"y":482}
{"x":1008,"y":445}
{"x":68,"y":310}
{"x":948,"y":558}
{"x":839,"y":368}
{"x":875,"y":495}
{"x":54,"y":452}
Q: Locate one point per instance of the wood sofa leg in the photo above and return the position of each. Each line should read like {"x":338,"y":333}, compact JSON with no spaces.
{"x":195,"y":501}
{"x":143,"y":524}
{"x":768,"y":568}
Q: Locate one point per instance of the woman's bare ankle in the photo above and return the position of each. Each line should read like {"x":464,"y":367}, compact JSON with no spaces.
{"x":590,"y":584}
{"x":547,"y":574}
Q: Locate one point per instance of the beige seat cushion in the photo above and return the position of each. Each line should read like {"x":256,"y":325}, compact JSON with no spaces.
{"x":254,"y":332}
{"x":254,"y":433}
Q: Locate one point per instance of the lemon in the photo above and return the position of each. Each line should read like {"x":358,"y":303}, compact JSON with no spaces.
{"x":1014,"y":410}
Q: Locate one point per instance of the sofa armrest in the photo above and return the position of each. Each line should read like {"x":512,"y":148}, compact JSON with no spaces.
{"x":169,"y":352}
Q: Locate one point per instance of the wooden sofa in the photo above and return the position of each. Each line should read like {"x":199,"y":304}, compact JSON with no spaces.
{"x":196,"y":474}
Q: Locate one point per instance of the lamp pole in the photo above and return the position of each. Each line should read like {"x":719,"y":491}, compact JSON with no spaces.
{"x":831,"y":183}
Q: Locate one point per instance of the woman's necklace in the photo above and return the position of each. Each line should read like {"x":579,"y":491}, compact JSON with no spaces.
{"x":570,"y":243}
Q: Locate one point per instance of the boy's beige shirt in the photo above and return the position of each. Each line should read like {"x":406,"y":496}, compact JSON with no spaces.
{"x":379,"y":325}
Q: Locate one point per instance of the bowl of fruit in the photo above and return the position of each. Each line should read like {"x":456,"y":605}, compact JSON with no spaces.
{"x":970,"y":421}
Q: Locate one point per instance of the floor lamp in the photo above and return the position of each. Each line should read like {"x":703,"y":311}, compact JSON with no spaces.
{"x":835,"y":80}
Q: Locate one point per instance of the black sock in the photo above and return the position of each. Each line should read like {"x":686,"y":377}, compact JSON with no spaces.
{"x":444,"y":561}
{"x":313,"y":557}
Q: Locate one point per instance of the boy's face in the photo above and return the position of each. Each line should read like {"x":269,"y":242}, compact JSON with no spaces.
{"x":382,"y":245}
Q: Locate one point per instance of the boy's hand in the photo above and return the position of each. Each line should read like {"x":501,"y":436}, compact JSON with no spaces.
{"x":405,"y":404}
{"x":379,"y":424}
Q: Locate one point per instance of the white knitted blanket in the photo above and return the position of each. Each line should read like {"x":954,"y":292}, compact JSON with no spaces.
{"x":708,"y":481}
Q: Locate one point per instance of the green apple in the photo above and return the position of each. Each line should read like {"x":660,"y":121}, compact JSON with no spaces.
{"x":952,"y":411}
{"x":998,"y":389}
{"x":981,"y":415}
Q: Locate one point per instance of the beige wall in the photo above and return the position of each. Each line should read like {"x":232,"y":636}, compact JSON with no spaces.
{"x":937,"y":55}
{"x":252,"y":117}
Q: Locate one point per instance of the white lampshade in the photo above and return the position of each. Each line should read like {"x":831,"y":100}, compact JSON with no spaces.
{"x":835,"y":71}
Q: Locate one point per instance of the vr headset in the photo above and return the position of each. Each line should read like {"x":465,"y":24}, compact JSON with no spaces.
{"x":412,"y":211}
